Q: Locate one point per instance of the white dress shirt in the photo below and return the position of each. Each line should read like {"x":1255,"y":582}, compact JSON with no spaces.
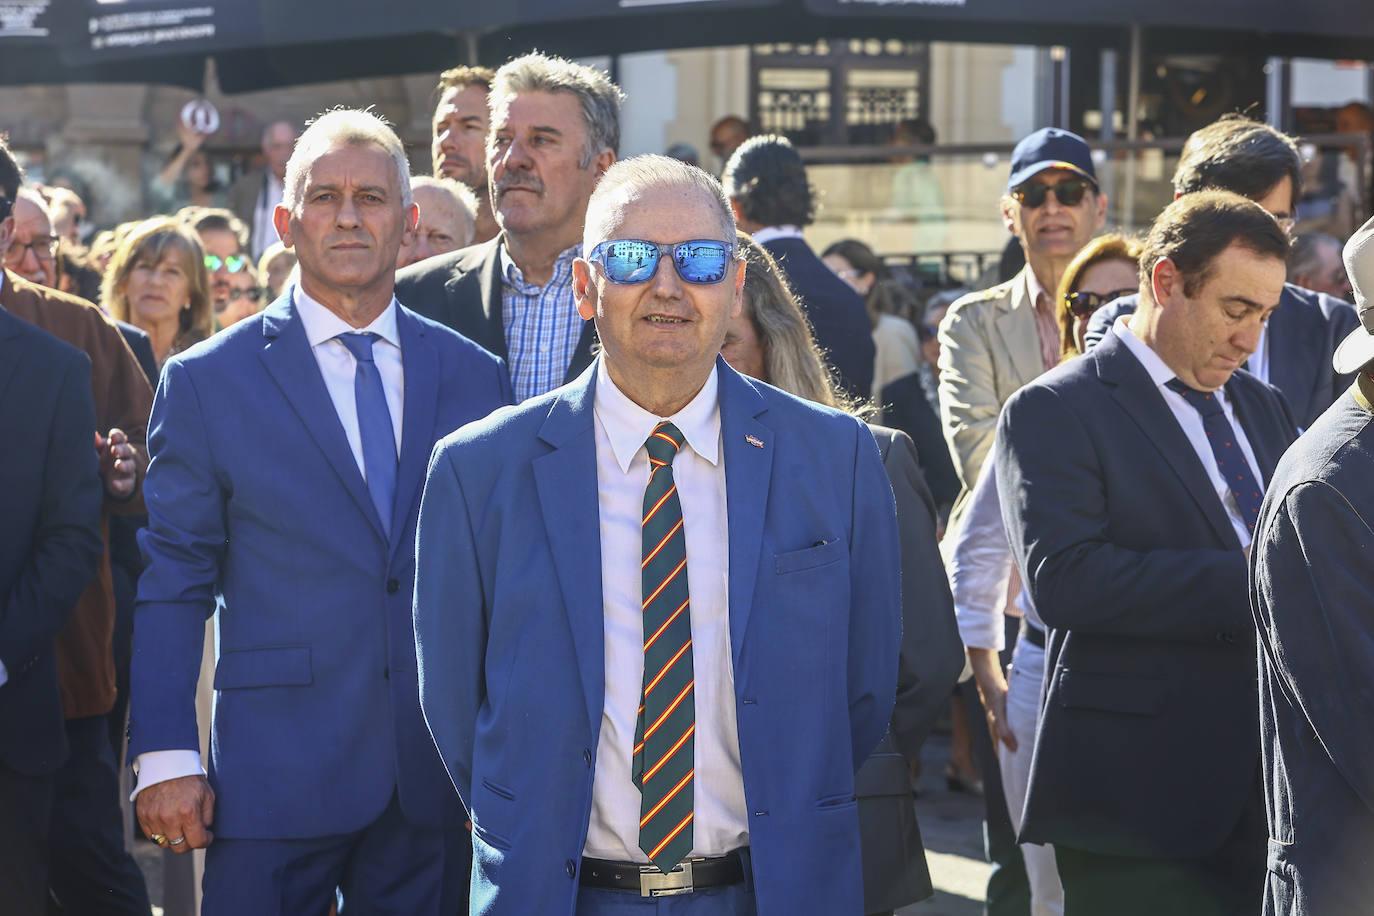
{"x":1191,"y":423}
{"x":337,"y":366}
{"x":720,"y":822}
{"x":769,"y":233}
{"x":981,"y":565}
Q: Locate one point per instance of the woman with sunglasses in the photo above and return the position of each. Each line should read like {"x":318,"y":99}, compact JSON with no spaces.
{"x":156,"y":281}
{"x":771,"y":341}
{"x":981,"y":568}
{"x":245,"y":297}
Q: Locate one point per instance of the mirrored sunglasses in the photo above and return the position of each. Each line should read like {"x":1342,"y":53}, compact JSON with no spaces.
{"x":700,"y":261}
{"x":234,"y":263}
{"x":1083,"y":304}
{"x":1068,"y":192}
{"x":251,"y":294}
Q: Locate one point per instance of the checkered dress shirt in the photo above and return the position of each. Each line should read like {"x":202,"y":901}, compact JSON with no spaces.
{"x":542,"y":325}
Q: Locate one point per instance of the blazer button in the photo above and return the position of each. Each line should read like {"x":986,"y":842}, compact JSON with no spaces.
{"x":587,"y":755}
{"x":392,"y":586}
{"x":572,"y":868}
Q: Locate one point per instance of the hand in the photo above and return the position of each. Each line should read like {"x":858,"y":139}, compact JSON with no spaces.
{"x":118,"y":468}
{"x":190,"y":138}
{"x":181,"y":808}
{"x":992,"y":687}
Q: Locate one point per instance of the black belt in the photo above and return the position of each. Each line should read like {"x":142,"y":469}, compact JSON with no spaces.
{"x":688,"y":876}
{"x":1032,"y":634}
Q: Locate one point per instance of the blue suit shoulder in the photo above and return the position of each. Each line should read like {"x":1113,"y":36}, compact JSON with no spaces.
{"x":453,"y":343}
{"x":1332,"y":310}
{"x":1317,"y":454}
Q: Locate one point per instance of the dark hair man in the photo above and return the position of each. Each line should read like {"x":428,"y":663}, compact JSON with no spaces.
{"x":224,"y":239}
{"x":91,"y":869}
{"x":615,"y":682}
{"x":766,"y":182}
{"x":294,"y":521}
{"x":555,"y":128}
{"x":1294,"y":351}
{"x":1313,"y":599}
{"x":1134,"y":531}
{"x":726,"y":136}
{"x":1315,"y":264}
{"x":461,"y":120}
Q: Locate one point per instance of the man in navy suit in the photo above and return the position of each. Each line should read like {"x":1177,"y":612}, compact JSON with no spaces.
{"x":634,"y":696}
{"x":287,"y":459}
{"x":1256,"y":161}
{"x":766,"y":182}
{"x":1312,"y":594}
{"x":1130,"y":481}
{"x":49,"y":546}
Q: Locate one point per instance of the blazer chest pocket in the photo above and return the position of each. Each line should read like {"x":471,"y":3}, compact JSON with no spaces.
{"x":1138,"y":696}
{"x":280,"y":666}
{"x":820,"y":553}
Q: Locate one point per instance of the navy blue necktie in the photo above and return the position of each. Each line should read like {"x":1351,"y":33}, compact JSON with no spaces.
{"x":374,"y":426}
{"x":1226,"y":450}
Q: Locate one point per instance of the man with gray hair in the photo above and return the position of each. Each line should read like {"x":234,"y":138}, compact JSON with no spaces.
{"x":555,"y":128}
{"x":656,"y":610}
{"x":254,"y":197}
{"x":294,"y":522}
{"x":448,"y":218}
{"x":1315,"y":264}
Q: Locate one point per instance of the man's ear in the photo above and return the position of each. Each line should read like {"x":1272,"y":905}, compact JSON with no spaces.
{"x":1165,"y":280}
{"x":281,"y":221}
{"x":735,"y":208}
{"x":737,"y":307}
{"x":1101,"y":209}
{"x":6,"y":233}
{"x":1009,"y":213}
{"x":582,"y":289}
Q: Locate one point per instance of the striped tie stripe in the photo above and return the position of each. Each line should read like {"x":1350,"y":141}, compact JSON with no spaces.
{"x":663,"y":764}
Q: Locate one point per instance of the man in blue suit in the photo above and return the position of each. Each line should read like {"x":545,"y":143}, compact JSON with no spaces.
{"x":633,"y":697}
{"x":288,"y":456}
{"x":49,"y":547}
{"x":1256,"y":161}
{"x":1130,"y":481}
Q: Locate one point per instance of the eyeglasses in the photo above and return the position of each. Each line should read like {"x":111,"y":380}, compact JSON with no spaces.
{"x":234,"y":263}
{"x":251,"y":294}
{"x":44,"y":249}
{"x":1068,"y":192}
{"x":849,"y":274}
{"x":701,"y":261}
{"x":1083,"y":304}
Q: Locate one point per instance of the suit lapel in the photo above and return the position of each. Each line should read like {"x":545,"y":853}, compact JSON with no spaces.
{"x":420,"y":406}
{"x":290,"y":362}
{"x":1020,"y":336}
{"x":1133,"y":389}
{"x":480,"y":283}
{"x":1295,"y":356}
{"x":748,"y":470}
{"x":572,"y":524}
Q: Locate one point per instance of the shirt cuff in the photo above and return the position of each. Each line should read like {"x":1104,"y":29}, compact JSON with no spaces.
{"x":154,"y":767}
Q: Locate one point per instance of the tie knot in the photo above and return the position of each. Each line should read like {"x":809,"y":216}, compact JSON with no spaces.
{"x":663,"y":443}
{"x":1204,"y":402}
{"x":360,"y":345}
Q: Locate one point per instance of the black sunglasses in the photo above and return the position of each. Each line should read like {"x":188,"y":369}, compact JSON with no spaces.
{"x":1083,"y":304}
{"x":1068,"y":192}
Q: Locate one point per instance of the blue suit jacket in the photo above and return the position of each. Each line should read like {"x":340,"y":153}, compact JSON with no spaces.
{"x":50,"y":539}
{"x":1147,"y":744}
{"x":508,"y":622}
{"x":256,"y":505}
{"x":1312,"y":594}
{"x":1304,"y":331}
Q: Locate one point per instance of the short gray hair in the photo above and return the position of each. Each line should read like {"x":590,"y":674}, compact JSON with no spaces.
{"x":599,"y":97}
{"x":1305,"y":258}
{"x":639,"y":173}
{"x":459,"y":193}
{"x":343,"y":127}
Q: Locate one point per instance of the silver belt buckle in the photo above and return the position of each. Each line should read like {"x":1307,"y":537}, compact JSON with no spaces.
{"x":654,"y":883}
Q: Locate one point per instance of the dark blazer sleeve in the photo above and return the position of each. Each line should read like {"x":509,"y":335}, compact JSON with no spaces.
{"x":1081,"y":574}
{"x":907,"y":409}
{"x":1312,"y":573}
{"x":142,"y":349}
{"x":1103,"y":319}
{"x":66,"y":544}
{"x":931,"y":655}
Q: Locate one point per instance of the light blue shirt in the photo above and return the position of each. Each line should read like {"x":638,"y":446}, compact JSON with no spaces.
{"x":541,"y":324}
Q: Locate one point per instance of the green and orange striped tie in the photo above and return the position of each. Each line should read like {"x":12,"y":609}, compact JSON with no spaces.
{"x":663,"y":757}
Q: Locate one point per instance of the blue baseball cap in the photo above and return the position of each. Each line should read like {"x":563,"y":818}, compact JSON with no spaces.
{"x":1051,"y":148}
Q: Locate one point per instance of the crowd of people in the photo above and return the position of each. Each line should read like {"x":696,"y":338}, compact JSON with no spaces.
{"x":410,"y":434}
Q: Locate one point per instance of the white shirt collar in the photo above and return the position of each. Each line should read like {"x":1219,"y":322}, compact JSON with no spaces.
{"x":1159,"y":371}
{"x":769,"y":233}
{"x":321,"y":324}
{"x":628,"y":425}
{"x":1035,"y":288}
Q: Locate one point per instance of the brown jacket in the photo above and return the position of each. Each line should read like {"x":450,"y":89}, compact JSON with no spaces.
{"x":123,"y":399}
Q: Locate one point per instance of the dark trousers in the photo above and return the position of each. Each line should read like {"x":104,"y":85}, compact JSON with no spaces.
{"x":25,"y":813}
{"x":1229,"y":882}
{"x":389,"y":867}
{"x":1008,"y":891}
{"x":89,"y":869}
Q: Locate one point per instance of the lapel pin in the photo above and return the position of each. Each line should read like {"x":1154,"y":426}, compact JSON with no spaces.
{"x":755,"y":441}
